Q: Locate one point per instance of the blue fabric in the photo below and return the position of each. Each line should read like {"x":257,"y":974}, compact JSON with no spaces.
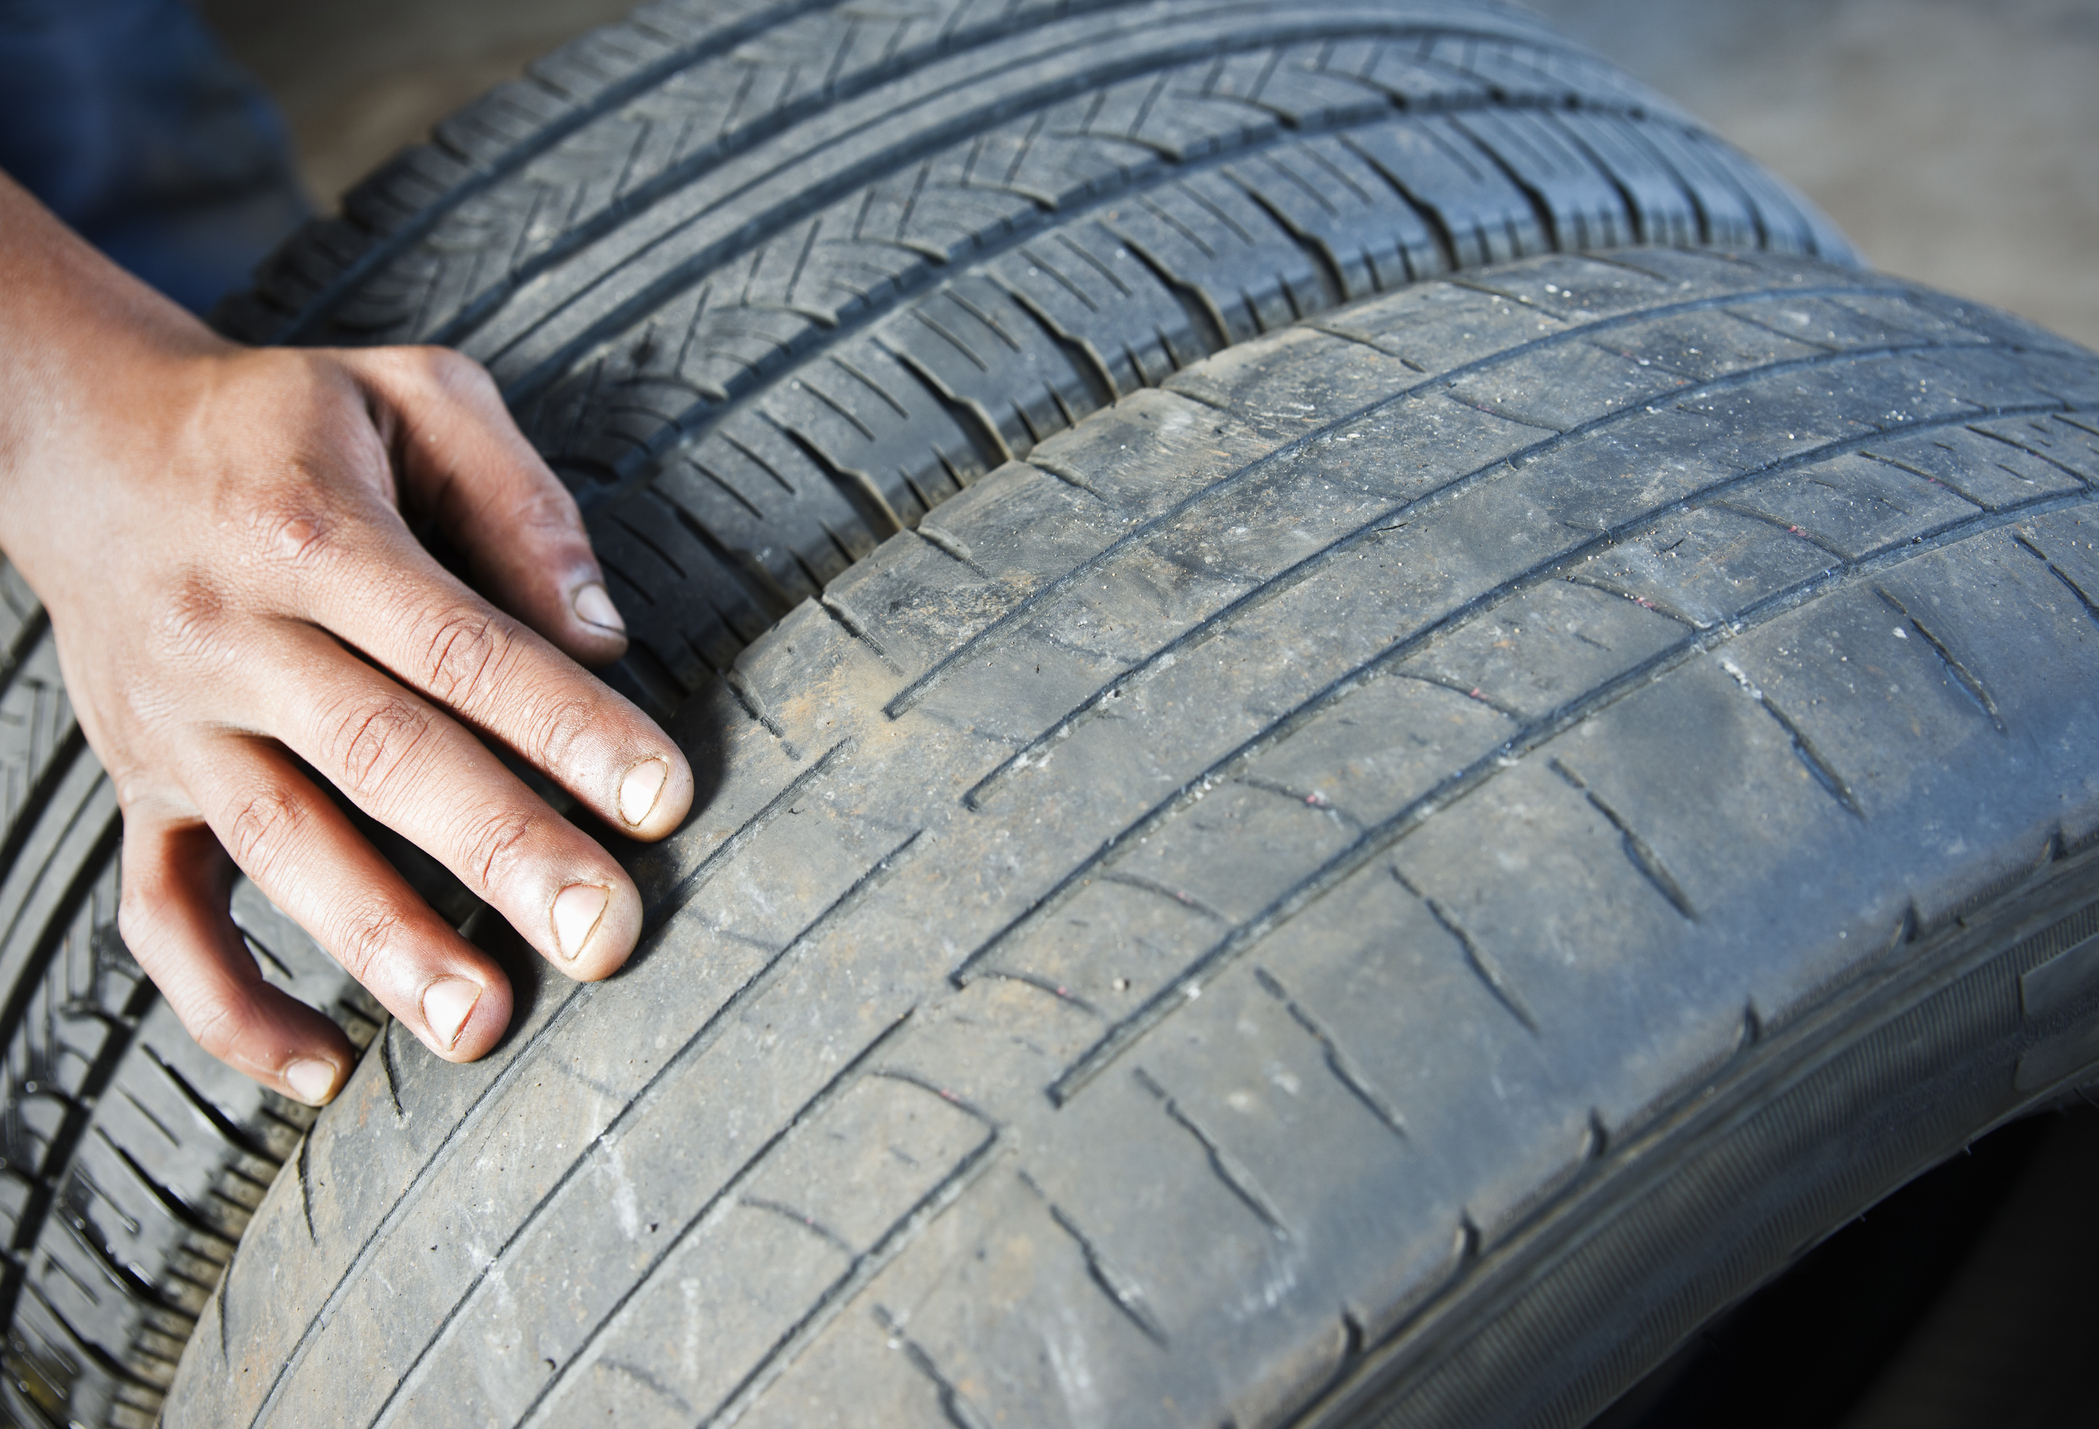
{"x":128,"y":121}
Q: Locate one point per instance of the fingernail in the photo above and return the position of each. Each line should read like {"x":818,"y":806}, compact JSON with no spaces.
{"x":593,"y":606}
{"x":311,"y":1081}
{"x":577,"y":909}
{"x":447,"y":1003}
{"x":639,"y":790}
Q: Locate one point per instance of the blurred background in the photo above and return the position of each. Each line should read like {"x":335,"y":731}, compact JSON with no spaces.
{"x":1957,"y":141}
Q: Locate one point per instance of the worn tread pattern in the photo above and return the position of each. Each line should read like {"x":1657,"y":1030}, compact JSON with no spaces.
{"x":1273,"y":914}
{"x":766,"y":285}
{"x":767,"y":282}
{"x":130,"y":1162}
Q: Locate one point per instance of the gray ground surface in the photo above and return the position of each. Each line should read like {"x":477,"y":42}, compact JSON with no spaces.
{"x":1953,"y":139}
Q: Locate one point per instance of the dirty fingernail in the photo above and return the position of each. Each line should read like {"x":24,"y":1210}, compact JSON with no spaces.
{"x":447,"y":1003}
{"x":577,"y":909}
{"x":311,"y":1081}
{"x":638,"y":791}
{"x":593,"y":606}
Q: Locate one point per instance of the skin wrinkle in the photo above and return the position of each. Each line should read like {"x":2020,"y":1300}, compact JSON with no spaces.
{"x":256,"y":825}
{"x":366,"y":938}
{"x":561,"y":729}
{"x":268,"y":585}
{"x":384,"y":731}
{"x":211,"y":1030}
{"x":502,"y":837}
{"x":462,"y":680}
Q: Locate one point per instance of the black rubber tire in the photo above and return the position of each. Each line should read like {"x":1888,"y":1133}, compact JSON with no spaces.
{"x":129,"y":1160}
{"x":1382,"y":883}
{"x":1206,"y":171}
{"x":766,"y":282}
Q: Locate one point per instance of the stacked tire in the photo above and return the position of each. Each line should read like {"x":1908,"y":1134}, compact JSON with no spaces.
{"x":1483,"y":744}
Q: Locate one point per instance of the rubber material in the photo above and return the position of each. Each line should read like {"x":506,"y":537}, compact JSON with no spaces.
{"x":1380,"y":883}
{"x":766,"y":283}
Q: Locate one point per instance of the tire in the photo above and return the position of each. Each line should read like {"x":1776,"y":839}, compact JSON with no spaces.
{"x":1382,"y":882}
{"x":1180,"y":175}
{"x":766,"y":283}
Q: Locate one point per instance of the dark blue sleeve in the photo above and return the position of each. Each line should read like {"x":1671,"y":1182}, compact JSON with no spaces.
{"x":128,"y":120}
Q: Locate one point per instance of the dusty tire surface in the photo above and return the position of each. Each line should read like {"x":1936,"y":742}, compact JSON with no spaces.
{"x":1379,"y":882}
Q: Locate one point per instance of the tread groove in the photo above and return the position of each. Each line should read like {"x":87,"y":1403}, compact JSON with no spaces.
{"x":1962,"y":675}
{"x":1345,"y":1068}
{"x":1223,"y":1165}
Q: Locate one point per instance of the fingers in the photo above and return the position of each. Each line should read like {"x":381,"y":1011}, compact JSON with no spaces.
{"x":174,"y":920}
{"x":302,"y":852}
{"x":422,"y":775}
{"x":396,"y":605}
{"x":462,"y":458}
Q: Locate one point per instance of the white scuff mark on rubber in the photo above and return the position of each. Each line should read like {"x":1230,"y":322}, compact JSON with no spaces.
{"x":623,"y":1205}
{"x":1273,"y":1292}
{"x":1741,"y":679}
{"x":690,"y":1359}
{"x":1064,"y":1342}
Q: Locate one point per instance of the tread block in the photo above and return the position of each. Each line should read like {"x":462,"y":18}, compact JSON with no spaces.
{"x":1727,"y":215}
{"x":36,"y":723}
{"x":1538,"y":650}
{"x":2068,"y":440}
{"x":1705,"y":565}
{"x":1688,"y":1013}
{"x":1086,"y":283}
{"x":915,"y":1360}
{"x":1294,"y":84}
{"x":1328,"y":197}
{"x":793,"y":1224}
{"x":1662,"y":209}
{"x":1535,"y":389}
{"x":1707,"y":346}
{"x":1853,"y":505}
{"x":1422,"y":733}
{"x":1482,"y":216}
{"x":1579,"y":202}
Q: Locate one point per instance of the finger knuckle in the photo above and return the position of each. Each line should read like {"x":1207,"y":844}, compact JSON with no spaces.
{"x":216,"y":1026}
{"x":264,"y":823}
{"x":373,"y":739}
{"x":368,"y":932}
{"x":294,"y":528}
{"x":190,"y":625}
{"x":452,"y":371}
{"x":465,"y":656}
{"x":495,"y":843}
{"x":142,"y":917}
{"x":548,"y":511}
{"x":561,"y":727}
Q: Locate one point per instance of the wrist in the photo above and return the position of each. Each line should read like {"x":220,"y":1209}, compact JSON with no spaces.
{"x":98,"y":368}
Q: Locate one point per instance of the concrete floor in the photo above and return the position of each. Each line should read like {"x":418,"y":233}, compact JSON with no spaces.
{"x":1957,"y":141}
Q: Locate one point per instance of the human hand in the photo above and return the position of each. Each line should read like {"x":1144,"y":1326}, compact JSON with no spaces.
{"x":216,"y":534}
